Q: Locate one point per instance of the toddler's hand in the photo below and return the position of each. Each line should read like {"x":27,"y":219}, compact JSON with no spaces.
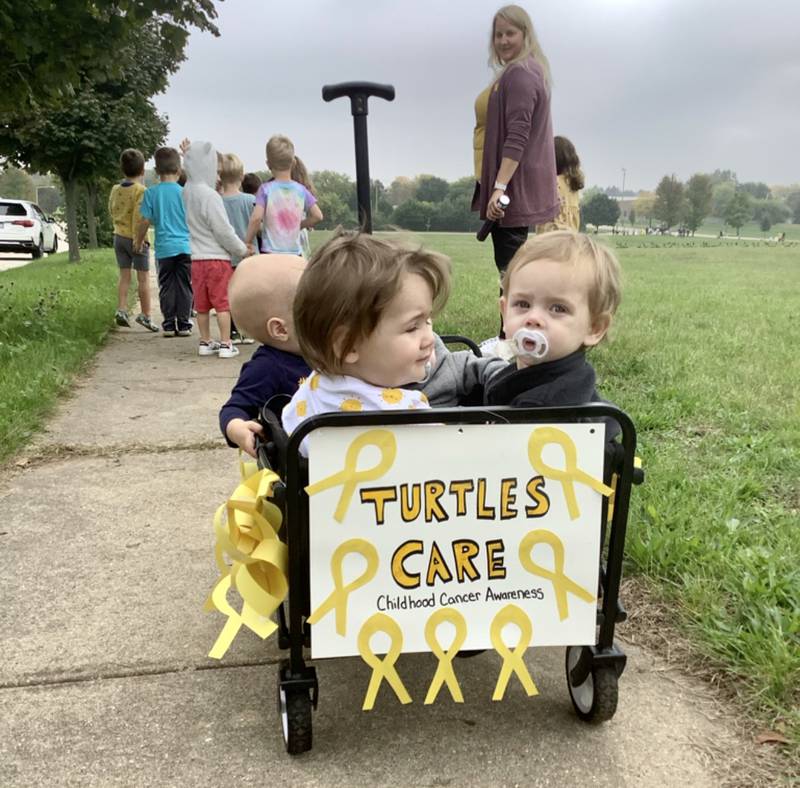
{"x":243,"y":434}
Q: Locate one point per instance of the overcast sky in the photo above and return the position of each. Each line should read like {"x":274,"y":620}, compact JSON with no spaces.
{"x":652,"y":86}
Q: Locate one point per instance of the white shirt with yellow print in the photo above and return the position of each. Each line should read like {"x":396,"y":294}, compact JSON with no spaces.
{"x":320,"y":393}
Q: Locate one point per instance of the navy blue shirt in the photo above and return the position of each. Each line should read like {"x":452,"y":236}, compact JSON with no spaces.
{"x":269,"y":372}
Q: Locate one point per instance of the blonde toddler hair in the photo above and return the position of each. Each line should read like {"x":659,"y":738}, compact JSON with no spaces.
{"x":577,"y":249}
{"x":347,"y":286}
{"x":231,"y":169}
{"x":280,"y":153}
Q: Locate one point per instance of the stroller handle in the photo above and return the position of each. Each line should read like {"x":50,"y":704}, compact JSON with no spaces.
{"x":359,"y":93}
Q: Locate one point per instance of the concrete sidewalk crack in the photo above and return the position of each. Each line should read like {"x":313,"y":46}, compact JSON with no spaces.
{"x":33,"y":683}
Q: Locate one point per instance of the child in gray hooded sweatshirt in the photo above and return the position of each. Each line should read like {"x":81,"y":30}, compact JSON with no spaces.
{"x":214,"y":242}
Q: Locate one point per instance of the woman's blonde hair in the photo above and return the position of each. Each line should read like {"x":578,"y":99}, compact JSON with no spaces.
{"x":346,"y":287}
{"x":518,"y":17}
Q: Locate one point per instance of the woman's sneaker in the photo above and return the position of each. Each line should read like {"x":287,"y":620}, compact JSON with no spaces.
{"x":228,"y":350}
{"x":143,"y":320}
{"x":121,"y":318}
{"x":208,"y":348}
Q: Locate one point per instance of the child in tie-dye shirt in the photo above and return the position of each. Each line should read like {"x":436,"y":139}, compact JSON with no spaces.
{"x":284,"y":206}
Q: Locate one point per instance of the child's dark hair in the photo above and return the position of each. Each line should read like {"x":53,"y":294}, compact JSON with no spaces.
{"x":168,"y":161}
{"x":251,"y":183}
{"x":568,"y":164}
{"x":131,"y":163}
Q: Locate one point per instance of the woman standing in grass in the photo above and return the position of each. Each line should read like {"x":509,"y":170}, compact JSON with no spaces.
{"x":513,"y":139}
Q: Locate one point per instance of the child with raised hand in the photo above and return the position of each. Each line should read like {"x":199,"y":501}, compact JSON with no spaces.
{"x":560,"y":292}
{"x":284,"y":206}
{"x":363,"y":316}
{"x":162,"y":207}
{"x":123,"y":205}
{"x":261,"y":294}
{"x":570,"y":182}
{"x":214,"y":242}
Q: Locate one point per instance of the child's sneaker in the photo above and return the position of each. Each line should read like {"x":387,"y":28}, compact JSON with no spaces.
{"x":208,"y":348}
{"x":247,"y":340}
{"x":168,"y":328}
{"x":236,"y":337}
{"x":144,"y":320}
{"x":121,"y":318}
{"x":228,"y":350}
{"x":184,"y":329}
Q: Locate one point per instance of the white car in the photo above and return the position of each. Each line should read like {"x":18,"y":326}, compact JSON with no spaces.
{"x":25,"y":228}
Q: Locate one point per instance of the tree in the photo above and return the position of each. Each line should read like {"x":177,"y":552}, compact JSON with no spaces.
{"x":723,"y":176}
{"x":669,"y":205}
{"x":632,"y":216}
{"x":80,"y":140}
{"x":765,"y":223}
{"x":776,"y":210}
{"x":793,"y":203}
{"x":48,"y":49}
{"x":431,"y":189}
{"x":401,"y":189}
{"x":644,"y":204}
{"x":17,"y":184}
{"x":414,"y":215}
{"x":329,"y":182}
{"x":698,"y":200}
{"x":759,"y":191}
{"x":721,"y":195}
{"x":738,"y":211}
{"x":600,"y":209}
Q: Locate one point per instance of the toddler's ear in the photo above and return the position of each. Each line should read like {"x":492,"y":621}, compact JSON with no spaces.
{"x":600,"y":325}
{"x":277,"y":330}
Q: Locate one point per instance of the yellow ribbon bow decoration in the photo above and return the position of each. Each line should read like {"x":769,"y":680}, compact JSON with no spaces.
{"x":512,"y":658}
{"x":337,"y":600}
{"x":247,"y":528}
{"x":562,"y":585}
{"x":571,"y":473}
{"x":444,"y":672}
{"x":349,"y":476}
{"x":382,"y":668}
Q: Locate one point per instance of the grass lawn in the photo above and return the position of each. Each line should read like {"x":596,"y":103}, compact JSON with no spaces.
{"x":53,"y":316}
{"x":705,"y":359}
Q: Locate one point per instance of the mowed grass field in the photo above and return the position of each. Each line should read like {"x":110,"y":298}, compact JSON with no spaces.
{"x":705,"y":357}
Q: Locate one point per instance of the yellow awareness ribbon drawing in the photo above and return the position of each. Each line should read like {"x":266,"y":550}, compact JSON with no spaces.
{"x":444,"y":672}
{"x":571,"y":473}
{"x":338,"y":598}
{"x":512,"y":658}
{"x":382,"y":668}
{"x":246,"y":527}
{"x":349,"y":477}
{"x":562,"y":585}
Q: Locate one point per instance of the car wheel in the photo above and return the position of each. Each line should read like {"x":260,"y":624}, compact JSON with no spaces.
{"x":38,"y":249}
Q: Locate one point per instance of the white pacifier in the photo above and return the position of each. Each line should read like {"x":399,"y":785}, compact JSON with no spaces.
{"x":525,"y":342}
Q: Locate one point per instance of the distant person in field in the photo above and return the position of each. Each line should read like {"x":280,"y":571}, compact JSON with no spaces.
{"x":570,"y":182}
{"x":283,"y":207}
{"x":123,"y":205}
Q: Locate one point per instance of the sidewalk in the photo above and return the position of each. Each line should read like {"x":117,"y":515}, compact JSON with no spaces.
{"x":106,"y":559}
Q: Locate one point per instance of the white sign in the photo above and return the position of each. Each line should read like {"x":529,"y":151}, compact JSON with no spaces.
{"x":410,"y":520}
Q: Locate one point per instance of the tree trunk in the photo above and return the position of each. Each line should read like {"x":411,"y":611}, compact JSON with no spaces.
{"x":71,"y":195}
{"x":91,"y":218}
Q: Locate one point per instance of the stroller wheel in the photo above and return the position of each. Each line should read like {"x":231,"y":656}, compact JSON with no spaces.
{"x":595,"y":699}
{"x":294,"y":707}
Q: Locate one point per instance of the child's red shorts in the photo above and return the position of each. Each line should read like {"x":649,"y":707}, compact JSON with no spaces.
{"x":210,"y":284}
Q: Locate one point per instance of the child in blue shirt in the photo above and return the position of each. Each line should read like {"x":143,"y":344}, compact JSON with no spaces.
{"x":284,"y":206}
{"x":162,"y":206}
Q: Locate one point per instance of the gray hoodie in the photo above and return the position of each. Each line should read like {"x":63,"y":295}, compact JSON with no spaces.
{"x":212,"y":235}
{"x":455,"y":375}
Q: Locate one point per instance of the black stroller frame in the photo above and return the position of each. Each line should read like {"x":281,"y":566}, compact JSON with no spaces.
{"x":592,"y":671}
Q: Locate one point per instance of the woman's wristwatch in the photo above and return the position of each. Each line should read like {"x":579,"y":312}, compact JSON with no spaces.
{"x":501,"y":186}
